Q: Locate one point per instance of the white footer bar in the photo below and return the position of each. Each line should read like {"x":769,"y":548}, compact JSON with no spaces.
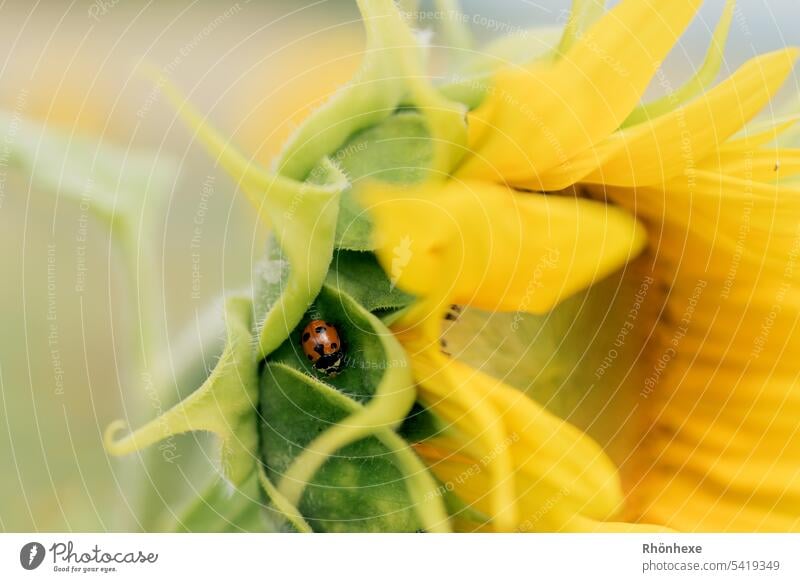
{"x":409,"y":557}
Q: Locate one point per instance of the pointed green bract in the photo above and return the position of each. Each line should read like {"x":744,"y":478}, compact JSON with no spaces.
{"x":223,"y":405}
{"x":304,"y":225}
{"x":392,"y":73}
{"x":302,"y":216}
{"x":360,"y":276}
{"x":286,"y":517}
{"x":397,"y":150}
{"x":471,"y":82}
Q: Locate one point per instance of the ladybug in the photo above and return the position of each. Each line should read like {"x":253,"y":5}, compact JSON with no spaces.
{"x":323,"y":347}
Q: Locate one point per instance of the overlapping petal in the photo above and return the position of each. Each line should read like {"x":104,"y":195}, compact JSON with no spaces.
{"x":720,"y":448}
{"x":497,"y":249}
{"x":484,"y":245}
{"x":657,"y":150}
{"x":538,"y":118}
{"x":506,"y":454}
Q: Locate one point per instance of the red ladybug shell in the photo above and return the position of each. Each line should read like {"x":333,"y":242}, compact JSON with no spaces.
{"x":322,"y":345}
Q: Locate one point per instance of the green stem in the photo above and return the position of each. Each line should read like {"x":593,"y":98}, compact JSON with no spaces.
{"x":220,"y":507}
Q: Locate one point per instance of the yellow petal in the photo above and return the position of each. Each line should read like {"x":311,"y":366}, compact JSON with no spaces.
{"x":763,"y":165}
{"x":457,"y":401}
{"x":660,"y":150}
{"x":720,"y":448}
{"x":495,"y":248}
{"x":506,"y":455}
{"x":538,"y":118}
{"x":704,"y":77}
{"x":655,"y":151}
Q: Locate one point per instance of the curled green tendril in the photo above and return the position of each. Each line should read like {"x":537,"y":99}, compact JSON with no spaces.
{"x":223,"y":405}
{"x":302,"y":215}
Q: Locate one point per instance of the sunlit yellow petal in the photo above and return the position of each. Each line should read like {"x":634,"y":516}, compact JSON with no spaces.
{"x":512,"y":453}
{"x":763,"y":165}
{"x":664,"y":148}
{"x":657,"y":150}
{"x":538,"y":118}
{"x":760,"y":133}
{"x":703,"y":78}
{"x":458,"y":401}
{"x":720,"y":448}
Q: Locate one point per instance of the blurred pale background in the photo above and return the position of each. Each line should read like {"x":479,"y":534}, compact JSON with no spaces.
{"x":255,"y":68}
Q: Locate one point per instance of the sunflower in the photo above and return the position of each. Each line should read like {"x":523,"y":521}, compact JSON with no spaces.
{"x":536,"y":179}
{"x":567,"y":178}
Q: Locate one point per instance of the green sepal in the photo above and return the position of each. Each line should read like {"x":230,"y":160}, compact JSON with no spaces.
{"x":354,"y":226}
{"x":225,"y":404}
{"x":360,"y":276}
{"x":470,"y":84}
{"x":221,"y":507}
{"x":397,"y":150}
{"x":282,"y":515}
{"x":302,"y":217}
{"x":304,"y":226}
{"x":392,"y":73}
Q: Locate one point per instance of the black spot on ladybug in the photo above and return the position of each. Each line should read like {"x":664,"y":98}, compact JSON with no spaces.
{"x":323,"y":347}
{"x":330,"y":364}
